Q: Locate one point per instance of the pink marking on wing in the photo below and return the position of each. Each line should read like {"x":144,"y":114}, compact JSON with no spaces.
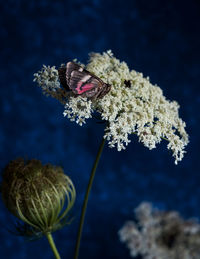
{"x":85,"y":87}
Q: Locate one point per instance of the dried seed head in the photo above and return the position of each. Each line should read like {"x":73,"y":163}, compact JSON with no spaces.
{"x":36,"y":193}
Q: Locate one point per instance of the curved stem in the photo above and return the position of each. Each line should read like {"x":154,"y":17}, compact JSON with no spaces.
{"x":53,"y":246}
{"x":86,"y":198}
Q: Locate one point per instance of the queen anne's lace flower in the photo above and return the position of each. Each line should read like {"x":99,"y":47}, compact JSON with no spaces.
{"x":161,"y":234}
{"x":133,"y":105}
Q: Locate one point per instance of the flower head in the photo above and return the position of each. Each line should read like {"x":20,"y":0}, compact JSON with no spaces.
{"x":161,"y":234}
{"x":39,"y":195}
{"x":133,"y":105}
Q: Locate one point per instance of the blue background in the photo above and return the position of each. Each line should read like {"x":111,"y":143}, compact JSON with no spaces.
{"x":160,"y":39}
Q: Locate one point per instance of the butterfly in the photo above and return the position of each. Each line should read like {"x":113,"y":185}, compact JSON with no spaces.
{"x":81,"y":82}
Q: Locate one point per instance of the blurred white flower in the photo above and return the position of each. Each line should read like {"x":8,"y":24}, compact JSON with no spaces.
{"x":161,"y":234}
{"x":133,"y":105}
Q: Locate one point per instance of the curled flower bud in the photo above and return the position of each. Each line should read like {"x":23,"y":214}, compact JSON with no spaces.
{"x":40,"y":195}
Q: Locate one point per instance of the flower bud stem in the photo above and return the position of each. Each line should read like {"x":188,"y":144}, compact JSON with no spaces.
{"x":53,"y":246}
{"x":86,"y":198}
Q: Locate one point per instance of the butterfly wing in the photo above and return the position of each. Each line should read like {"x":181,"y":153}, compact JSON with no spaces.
{"x":70,"y":67}
{"x":83,"y":83}
{"x":62,"y":77}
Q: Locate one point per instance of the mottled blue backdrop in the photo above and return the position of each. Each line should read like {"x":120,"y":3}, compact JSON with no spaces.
{"x":160,"y":39}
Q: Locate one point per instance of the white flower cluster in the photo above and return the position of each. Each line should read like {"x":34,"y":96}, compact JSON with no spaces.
{"x":48,"y":79}
{"x":161,"y":235}
{"x":133,"y":105}
{"x":78,"y":109}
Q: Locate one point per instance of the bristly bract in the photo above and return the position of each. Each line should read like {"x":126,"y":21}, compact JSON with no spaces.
{"x":81,"y":82}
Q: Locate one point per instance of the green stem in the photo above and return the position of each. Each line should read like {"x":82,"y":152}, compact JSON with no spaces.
{"x":86,"y":198}
{"x":53,"y":246}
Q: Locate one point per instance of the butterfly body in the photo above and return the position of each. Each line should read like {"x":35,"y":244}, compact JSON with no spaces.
{"x":81,"y":82}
